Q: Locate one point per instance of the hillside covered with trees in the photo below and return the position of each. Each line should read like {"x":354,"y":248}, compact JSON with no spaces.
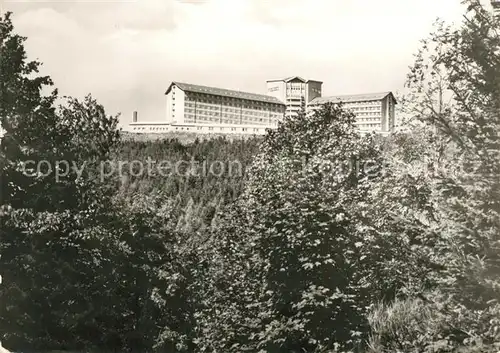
{"x":321,"y":240}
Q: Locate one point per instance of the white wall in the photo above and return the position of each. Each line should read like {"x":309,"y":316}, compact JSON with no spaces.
{"x":276,"y":89}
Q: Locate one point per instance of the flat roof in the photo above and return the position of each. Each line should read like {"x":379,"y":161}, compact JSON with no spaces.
{"x":188,"y":87}
{"x":293,"y":77}
{"x":352,"y":98}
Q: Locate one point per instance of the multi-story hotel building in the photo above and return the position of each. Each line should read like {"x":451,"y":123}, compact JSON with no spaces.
{"x":295,"y":92}
{"x":215,"y":110}
{"x":202,"y":109}
{"x":374,"y":112}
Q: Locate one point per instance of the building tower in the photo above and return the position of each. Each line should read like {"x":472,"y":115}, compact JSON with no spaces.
{"x":295,"y":92}
{"x":496,"y":7}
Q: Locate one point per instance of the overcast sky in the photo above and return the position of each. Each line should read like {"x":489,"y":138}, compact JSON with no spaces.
{"x":127,"y":52}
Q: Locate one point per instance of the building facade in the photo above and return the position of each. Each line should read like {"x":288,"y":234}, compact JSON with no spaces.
{"x":205,"y":109}
{"x":374,"y":112}
{"x":496,"y":7}
{"x":295,"y":92}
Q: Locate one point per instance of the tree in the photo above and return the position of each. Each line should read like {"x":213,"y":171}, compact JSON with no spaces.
{"x":52,"y":235}
{"x":455,"y":85}
{"x":24,"y":111}
{"x":44,"y":147}
{"x":294,"y":267}
{"x":84,"y":267}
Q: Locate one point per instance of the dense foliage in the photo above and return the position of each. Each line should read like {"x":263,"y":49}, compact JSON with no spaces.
{"x":204,"y":176}
{"x":80,"y":265}
{"x":455,"y":87}
{"x":287,"y":273}
{"x":313,"y":239}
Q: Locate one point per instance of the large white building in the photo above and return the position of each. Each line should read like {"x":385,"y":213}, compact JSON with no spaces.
{"x":205,"y":109}
{"x":295,"y":92}
{"x":202,"y":109}
{"x":375,"y":112}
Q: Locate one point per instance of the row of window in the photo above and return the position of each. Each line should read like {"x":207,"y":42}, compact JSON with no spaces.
{"x":222,"y":129}
{"x":369,"y":126}
{"x":226,"y":111}
{"x":367,"y":119}
{"x":211,"y":99}
{"x":198,"y":128}
{"x":364,"y":104}
{"x":218,"y":105}
{"x":247,"y":116}
{"x":151,"y":128}
{"x":378,"y":114}
{"x":190,"y":118}
{"x":211,"y":128}
{"x":371,"y":108}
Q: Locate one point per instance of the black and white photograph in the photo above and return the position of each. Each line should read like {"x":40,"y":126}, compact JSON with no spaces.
{"x":249,"y":176}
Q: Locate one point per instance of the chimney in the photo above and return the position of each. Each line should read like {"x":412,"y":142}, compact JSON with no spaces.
{"x":134,"y":117}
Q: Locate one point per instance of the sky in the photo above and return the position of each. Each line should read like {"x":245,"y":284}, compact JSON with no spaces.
{"x":127,"y":52}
